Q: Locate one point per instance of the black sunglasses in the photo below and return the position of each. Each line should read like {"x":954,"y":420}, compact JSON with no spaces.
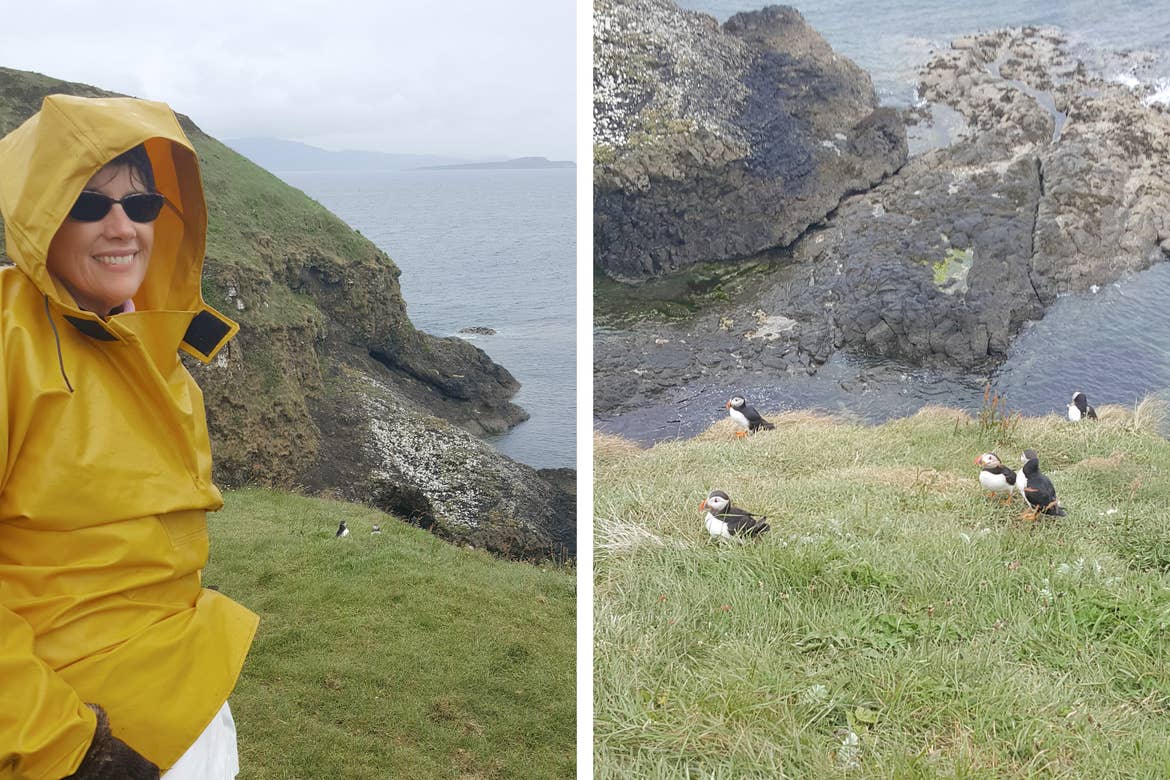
{"x":139,"y":206}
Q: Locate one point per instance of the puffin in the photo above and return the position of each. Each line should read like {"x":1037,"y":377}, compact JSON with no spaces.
{"x":996,"y":477}
{"x":1079,"y":409}
{"x":726,"y":521}
{"x":342,"y":530}
{"x":1037,"y":488}
{"x":746,"y":417}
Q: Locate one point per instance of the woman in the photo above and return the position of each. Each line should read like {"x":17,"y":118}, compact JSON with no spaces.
{"x":114,"y":662}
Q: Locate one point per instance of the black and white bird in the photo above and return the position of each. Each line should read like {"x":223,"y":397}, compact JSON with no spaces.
{"x":342,"y":530}
{"x":746,"y":417}
{"x":1079,"y":409}
{"x":996,"y":477}
{"x":725,"y":521}
{"x":1037,"y":488}
{"x":377,"y":529}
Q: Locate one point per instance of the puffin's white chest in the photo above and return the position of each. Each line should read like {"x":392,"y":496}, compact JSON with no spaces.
{"x":996,"y":483}
{"x":717,"y":527}
{"x":738,"y":417}
{"x":1074,"y":413}
{"x":1021,"y":482}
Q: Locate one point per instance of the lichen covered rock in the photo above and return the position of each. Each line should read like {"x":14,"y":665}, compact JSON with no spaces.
{"x":714,"y":143}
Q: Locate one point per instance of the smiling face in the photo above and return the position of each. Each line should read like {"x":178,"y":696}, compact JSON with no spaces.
{"x":102,"y":264}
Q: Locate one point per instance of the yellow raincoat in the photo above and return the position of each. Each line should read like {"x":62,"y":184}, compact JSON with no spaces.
{"x":105,"y":463}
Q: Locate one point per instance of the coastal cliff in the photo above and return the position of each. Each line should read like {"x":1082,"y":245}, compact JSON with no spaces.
{"x":328,"y":387}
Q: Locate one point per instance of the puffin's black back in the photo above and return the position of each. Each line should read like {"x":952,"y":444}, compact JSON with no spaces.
{"x":742,"y":522}
{"x":755,"y":421}
{"x":1040,"y":491}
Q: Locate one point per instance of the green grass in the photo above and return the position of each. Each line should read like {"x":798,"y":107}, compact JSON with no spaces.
{"x":893,"y":605}
{"x":255,"y":219}
{"x":391,"y":655}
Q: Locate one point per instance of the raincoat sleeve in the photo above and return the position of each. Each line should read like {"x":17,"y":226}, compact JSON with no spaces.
{"x":45,"y":728}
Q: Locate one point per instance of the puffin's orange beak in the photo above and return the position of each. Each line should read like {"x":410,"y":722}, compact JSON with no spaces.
{"x":727,"y":405}
{"x":978,"y":459}
{"x":703,"y":505}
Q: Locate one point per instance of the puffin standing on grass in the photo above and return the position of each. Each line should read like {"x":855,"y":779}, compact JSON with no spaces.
{"x":1038,"y":490}
{"x":996,"y":477}
{"x":1079,"y":409}
{"x":746,"y":417}
{"x":725,"y":521}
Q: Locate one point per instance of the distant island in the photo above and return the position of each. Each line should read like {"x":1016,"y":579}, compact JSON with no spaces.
{"x":276,"y":154}
{"x":519,"y":162}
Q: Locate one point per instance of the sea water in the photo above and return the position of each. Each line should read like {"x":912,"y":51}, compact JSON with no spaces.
{"x":486,"y":248}
{"x":1112,"y":343}
{"x":892,"y":40}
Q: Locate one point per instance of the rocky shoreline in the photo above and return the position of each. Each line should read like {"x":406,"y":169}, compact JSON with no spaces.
{"x":1056,"y":186}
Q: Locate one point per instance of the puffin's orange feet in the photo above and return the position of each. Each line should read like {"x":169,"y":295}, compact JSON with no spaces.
{"x":740,"y":434}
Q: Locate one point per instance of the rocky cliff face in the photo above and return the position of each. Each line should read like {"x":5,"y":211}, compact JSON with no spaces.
{"x":1057,"y":184}
{"x":713,"y":143}
{"x":328,"y":386}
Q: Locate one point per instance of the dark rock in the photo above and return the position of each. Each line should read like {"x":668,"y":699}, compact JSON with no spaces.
{"x":478,"y":330}
{"x":717,"y":143}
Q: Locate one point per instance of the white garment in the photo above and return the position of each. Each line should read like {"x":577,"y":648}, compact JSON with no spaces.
{"x":213,"y":755}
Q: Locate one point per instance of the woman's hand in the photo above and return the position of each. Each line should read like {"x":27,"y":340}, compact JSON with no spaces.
{"x":109,"y":758}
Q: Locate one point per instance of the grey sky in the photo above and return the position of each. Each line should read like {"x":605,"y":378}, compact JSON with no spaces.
{"x":458,"y":77}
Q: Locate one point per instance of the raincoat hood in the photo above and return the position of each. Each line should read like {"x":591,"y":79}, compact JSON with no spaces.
{"x":47,"y":161}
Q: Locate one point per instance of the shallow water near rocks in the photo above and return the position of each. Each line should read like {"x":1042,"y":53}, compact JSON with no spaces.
{"x":1113,"y":345}
{"x":892,"y":40}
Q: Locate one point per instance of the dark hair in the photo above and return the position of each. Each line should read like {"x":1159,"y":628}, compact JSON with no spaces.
{"x":138,"y":161}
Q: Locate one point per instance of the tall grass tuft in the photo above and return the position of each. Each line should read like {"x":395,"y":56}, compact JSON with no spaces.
{"x":996,"y":423}
{"x":1150,"y":414}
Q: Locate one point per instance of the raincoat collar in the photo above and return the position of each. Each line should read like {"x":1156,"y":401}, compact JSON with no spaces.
{"x":44,"y":165}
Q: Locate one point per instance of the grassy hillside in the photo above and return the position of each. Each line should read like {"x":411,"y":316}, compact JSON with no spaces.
{"x":392,"y":654}
{"x":895,"y":622}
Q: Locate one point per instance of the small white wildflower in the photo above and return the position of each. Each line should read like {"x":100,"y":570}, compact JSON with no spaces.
{"x":965,"y":537}
{"x":1046,"y":593}
{"x":849,"y":756}
{"x":815,"y":694}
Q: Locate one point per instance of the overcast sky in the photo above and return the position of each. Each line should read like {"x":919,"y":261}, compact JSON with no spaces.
{"x":453,"y":77}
